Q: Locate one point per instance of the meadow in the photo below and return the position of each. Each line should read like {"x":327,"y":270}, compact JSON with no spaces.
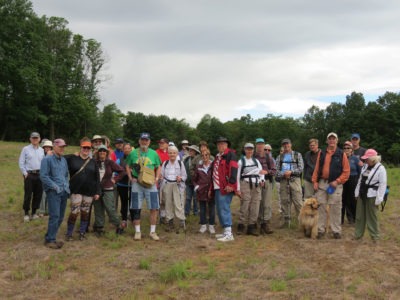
{"x":284,"y":265}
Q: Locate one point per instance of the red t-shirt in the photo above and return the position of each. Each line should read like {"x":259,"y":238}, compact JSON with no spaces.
{"x":163,"y":155}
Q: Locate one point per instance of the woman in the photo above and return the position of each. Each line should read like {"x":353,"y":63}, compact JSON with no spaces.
{"x":123,"y":186}
{"x":349,"y":202}
{"x":249,"y":190}
{"x":85,"y":187}
{"x":173,"y":176}
{"x":106,"y":202}
{"x":370,"y":191}
{"x":202,"y":181}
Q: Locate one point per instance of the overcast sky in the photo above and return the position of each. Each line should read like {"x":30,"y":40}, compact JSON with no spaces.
{"x":231,"y":58}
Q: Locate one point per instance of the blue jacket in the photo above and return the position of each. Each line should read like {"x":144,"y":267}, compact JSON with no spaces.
{"x":54,"y":174}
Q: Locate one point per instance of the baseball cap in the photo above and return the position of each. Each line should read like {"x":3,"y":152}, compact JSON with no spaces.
{"x":35,"y":134}
{"x":355,"y":135}
{"x":260,"y":140}
{"x":286,"y":141}
{"x":86,"y":144}
{"x":369,"y":153}
{"x":119,"y":141}
{"x":102,"y":147}
{"x":249,"y":145}
{"x":185,"y":142}
{"x":59,"y":143}
{"x":268,"y":146}
{"x":145,"y":136}
{"x":331,"y":134}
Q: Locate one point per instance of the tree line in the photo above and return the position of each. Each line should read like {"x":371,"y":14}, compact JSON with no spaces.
{"x":50,"y":79}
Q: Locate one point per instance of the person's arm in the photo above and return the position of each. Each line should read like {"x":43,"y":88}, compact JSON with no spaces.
{"x":299,"y":166}
{"x":314,"y":177}
{"x":233,"y":172}
{"x":239,"y":171}
{"x":119,"y":169}
{"x":382,"y":179}
{"x":45,"y":178}
{"x":21,"y":162}
{"x":97,"y":180}
{"x":346,"y":171}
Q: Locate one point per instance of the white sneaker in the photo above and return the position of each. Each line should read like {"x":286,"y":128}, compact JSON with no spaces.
{"x":203,"y":228}
{"x":138,"y":236}
{"x":211,"y":229}
{"x":35,"y":217}
{"x":26,"y":219}
{"x":226,"y":238}
{"x":219,"y":235}
{"x":154,"y":236}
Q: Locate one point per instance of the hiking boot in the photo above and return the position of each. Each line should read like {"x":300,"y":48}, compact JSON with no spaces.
{"x":124,"y":224}
{"x":203,"y":228}
{"x":211,"y":229}
{"x":170,"y":226}
{"x":82,"y":236}
{"x":182,"y":225}
{"x":26,"y":219}
{"x":240,"y":229}
{"x":226,"y":238}
{"x":69,"y":238}
{"x":337,"y":236}
{"x":52,"y":245}
{"x":320,"y":235}
{"x":119,"y":230}
{"x":60,"y":244}
{"x":137,"y":236}
{"x":154,"y":236}
{"x":252,"y":230}
{"x":284,"y":224}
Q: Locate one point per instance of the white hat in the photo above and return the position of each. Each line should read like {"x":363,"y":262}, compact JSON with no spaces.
{"x":47,"y":144}
{"x":249,"y":145}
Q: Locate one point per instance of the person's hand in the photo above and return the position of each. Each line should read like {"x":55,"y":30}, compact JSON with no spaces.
{"x":263,"y":172}
{"x":239,"y":194}
{"x":113,"y":180}
{"x":262,"y":183}
{"x":209,"y":194}
{"x":287,"y":174}
{"x":334,"y":184}
{"x":133,"y":179}
{"x":315,"y":184}
{"x":96,"y":197}
{"x":178,"y":179}
{"x":26,"y":176}
{"x":229,"y":189}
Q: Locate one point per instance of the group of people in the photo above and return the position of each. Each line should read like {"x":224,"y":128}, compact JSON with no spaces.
{"x":174,"y":182}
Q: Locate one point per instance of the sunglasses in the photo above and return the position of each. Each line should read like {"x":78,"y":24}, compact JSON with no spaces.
{"x":102,"y":150}
{"x":346,"y":148}
{"x":267,"y":150}
{"x":86,"y":148}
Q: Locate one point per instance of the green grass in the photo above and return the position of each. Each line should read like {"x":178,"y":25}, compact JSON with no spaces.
{"x":178,"y":271}
{"x":144,"y":264}
{"x":278,"y":285}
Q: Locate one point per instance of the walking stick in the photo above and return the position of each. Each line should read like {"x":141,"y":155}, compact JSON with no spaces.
{"x":289,"y":200}
{"x":90,"y":216}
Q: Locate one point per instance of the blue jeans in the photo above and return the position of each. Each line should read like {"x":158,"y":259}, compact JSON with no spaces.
{"x":189,"y":195}
{"x":211,"y":212}
{"x":223,"y":203}
{"x":57,"y":204}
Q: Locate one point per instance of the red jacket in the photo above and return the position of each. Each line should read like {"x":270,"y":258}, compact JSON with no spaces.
{"x":204,"y":181}
{"x":227,"y":171}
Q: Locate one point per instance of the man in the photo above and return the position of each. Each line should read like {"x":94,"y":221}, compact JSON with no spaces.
{"x":119,"y":149}
{"x":263,"y":154}
{"x":224,"y":176}
{"x":54,"y":175}
{"x":162,"y":150}
{"x":192,"y":159}
{"x":309,"y":165}
{"x":29,"y":163}
{"x":184,"y":152}
{"x":143,"y":157}
{"x":289,"y":167}
{"x":331,"y":171}
{"x":357,"y":149}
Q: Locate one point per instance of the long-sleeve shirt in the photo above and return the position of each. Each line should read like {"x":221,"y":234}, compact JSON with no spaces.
{"x":30,"y":159}
{"x":291,"y":161}
{"x":54,"y":174}
{"x":249,"y":169}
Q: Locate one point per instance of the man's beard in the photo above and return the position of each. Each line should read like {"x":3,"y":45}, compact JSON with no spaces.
{"x":144,"y":147}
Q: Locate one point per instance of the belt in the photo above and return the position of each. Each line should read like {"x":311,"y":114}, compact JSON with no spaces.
{"x":33,"y":172}
{"x":170,"y":181}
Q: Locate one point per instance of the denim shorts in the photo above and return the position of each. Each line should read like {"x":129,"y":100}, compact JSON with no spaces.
{"x":139,"y":193}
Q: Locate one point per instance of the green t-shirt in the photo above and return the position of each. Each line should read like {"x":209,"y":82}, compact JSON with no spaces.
{"x":150,"y":159}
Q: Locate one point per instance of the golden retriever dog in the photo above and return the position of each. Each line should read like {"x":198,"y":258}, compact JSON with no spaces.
{"x":308,"y":218}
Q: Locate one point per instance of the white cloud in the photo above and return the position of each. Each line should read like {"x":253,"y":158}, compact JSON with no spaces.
{"x":228,"y":58}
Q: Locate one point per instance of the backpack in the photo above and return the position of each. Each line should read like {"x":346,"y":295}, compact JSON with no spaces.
{"x":375,"y":187}
{"x":249,"y":176}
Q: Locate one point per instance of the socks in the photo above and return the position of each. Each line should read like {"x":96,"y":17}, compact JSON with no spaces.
{"x":137,"y":228}
{"x":152,"y":228}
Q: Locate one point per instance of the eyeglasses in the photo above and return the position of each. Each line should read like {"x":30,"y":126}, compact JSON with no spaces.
{"x":86,"y":148}
{"x":267,"y":150}
{"x":346,"y":148}
{"x":102,"y":150}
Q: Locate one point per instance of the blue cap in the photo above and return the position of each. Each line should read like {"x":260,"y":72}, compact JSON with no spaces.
{"x":330,"y":190}
{"x":145,"y":135}
{"x":260,"y":140}
{"x":355,"y":135}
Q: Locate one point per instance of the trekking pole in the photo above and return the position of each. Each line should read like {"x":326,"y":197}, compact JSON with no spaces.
{"x":289,"y":201}
{"x":90,"y":216}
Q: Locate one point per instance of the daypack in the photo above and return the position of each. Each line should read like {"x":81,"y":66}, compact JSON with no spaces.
{"x":375,"y":187}
{"x":164,"y":165}
{"x":249,"y":176}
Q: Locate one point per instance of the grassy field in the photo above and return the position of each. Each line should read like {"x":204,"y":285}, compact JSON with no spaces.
{"x":284,"y":265}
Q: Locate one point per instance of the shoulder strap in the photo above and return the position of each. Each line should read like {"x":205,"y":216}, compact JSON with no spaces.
{"x":370,"y":179}
{"x":81,"y":169}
